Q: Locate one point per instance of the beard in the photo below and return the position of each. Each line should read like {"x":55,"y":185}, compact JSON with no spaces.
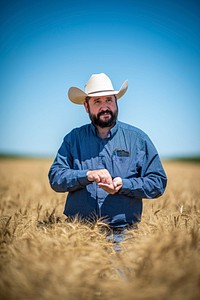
{"x":104,"y":123}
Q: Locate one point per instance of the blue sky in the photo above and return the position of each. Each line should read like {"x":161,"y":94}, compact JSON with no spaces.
{"x":48,"y":46}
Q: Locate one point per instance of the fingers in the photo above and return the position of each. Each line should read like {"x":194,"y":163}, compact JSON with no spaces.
{"x":109,"y":188}
{"x":104,"y":180}
{"x":105,"y":176}
{"x":99,"y":176}
{"x":112,"y":188}
{"x":95,"y":177}
{"x":117,"y":182}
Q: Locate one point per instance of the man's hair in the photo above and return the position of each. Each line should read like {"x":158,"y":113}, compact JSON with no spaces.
{"x":87,"y":99}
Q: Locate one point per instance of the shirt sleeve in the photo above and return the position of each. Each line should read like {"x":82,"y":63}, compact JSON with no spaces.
{"x":151,"y":179}
{"x":62,"y":176}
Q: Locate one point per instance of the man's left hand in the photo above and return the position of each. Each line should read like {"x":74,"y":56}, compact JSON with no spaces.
{"x":113,"y":187}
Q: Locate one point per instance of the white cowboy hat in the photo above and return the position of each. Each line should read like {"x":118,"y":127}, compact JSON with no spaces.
{"x":97,"y":85}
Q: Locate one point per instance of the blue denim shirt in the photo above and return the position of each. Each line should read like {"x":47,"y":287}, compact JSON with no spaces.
{"x":127,"y":152}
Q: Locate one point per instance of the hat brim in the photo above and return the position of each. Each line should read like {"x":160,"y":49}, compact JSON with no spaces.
{"x":78,"y":96}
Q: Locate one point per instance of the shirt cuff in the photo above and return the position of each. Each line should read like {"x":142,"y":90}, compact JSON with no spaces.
{"x":126,"y":186}
{"x":82,"y":178}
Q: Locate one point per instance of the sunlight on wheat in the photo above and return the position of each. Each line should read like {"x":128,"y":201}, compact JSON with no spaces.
{"x":44,"y":257}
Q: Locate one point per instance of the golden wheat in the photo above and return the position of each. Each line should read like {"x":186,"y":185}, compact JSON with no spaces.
{"x":43,"y":257}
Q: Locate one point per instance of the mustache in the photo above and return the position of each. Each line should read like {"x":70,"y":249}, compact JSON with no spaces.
{"x":107,"y":111}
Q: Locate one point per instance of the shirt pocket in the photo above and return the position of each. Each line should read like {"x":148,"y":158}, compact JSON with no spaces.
{"x":121,"y":163}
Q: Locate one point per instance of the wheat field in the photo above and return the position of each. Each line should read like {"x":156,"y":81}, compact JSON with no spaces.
{"x":43,"y":257}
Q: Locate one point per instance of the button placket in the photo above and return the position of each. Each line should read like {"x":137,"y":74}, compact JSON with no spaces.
{"x":101,"y":165}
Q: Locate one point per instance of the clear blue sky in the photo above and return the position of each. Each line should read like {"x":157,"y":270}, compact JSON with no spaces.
{"x":48,"y":46}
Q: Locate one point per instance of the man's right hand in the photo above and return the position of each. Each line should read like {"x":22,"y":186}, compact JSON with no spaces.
{"x":99,"y":176}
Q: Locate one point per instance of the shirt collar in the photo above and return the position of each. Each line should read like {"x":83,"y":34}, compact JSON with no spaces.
{"x":111,"y":133}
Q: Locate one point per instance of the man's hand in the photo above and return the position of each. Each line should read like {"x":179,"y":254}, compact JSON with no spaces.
{"x":98,"y":176}
{"x":113,"y":187}
{"x":104,"y":180}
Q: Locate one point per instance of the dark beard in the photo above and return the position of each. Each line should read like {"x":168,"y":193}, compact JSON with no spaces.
{"x":103,"y":124}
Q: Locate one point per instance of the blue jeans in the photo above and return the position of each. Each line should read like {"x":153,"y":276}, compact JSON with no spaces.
{"x":118,"y":235}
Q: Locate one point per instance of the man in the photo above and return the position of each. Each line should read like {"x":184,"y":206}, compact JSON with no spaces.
{"x":106,"y":166}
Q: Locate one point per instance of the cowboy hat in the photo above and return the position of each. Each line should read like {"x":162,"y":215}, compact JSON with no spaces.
{"x":97,"y":85}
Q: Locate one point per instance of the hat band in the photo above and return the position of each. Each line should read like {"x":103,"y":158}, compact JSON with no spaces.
{"x":100,"y":91}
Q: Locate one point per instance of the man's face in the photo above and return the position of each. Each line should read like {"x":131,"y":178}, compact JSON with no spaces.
{"x":103,"y":111}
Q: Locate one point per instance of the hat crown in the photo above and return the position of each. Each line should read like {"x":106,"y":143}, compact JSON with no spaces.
{"x":98,"y":83}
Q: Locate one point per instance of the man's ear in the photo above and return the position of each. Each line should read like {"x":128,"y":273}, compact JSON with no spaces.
{"x":86,"y":106}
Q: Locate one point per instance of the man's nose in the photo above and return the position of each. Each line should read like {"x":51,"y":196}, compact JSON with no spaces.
{"x":104,"y":106}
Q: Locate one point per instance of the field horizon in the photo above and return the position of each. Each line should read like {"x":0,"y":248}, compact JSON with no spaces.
{"x":184,"y":158}
{"x":43,"y":257}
